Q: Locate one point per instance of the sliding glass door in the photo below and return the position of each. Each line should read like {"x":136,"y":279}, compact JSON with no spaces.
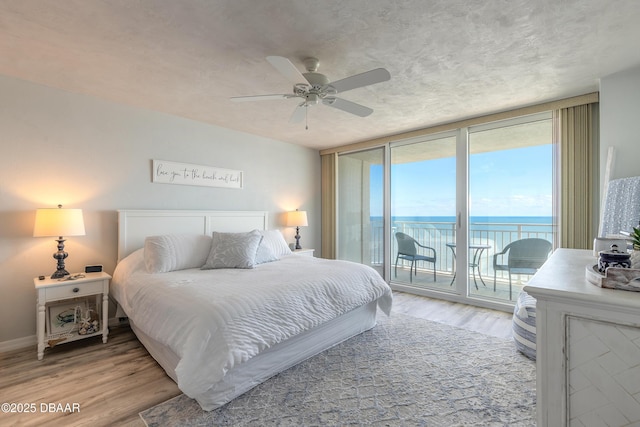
{"x":511,"y":212}
{"x":423,"y":212}
{"x":360,"y":218}
{"x":445,"y":215}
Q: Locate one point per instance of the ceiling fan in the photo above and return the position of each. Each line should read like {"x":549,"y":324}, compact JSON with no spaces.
{"x":314,"y":88}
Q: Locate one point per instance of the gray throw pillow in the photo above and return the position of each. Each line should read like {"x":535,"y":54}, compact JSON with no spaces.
{"x":233,"y":250}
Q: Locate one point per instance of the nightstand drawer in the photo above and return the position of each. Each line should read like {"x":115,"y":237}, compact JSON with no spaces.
{"x":72,"y":290}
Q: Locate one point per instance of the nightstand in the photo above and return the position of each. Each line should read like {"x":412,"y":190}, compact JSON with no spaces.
{"x":304,"y":252}
{"x":58,"y":299}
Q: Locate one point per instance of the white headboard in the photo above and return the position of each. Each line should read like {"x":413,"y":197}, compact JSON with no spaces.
{"x":135,"y":225}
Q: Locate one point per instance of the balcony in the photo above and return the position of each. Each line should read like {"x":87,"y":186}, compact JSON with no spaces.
{"x":437,"y":235}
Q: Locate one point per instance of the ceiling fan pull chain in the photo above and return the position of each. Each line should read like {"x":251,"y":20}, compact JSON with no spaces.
{"x":306,"y":117}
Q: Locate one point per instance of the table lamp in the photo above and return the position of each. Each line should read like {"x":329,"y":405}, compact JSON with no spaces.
{"x":59,"y":222}
{"x":297,"y":219}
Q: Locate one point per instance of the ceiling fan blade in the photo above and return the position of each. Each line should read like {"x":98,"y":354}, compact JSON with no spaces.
{"x":260,"y":98}
{"x":287,"y":69}
{"x":363,"y":79}
{"x":299,"y":113}
{"x":348,"y":106}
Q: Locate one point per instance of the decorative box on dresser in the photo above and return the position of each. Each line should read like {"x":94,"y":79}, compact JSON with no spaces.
{"x":588,"y":346}
{"x":53,"y":290}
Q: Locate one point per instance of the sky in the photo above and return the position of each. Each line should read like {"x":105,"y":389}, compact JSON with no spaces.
{"x":516,"y":182}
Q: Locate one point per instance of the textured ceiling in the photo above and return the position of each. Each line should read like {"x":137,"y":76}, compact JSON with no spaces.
{"x":448,"y":59}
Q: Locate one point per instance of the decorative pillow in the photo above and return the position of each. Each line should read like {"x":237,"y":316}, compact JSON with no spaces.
{"x":175,"y":252}
{"x":233,"y":250}
{"x":274,"y":240}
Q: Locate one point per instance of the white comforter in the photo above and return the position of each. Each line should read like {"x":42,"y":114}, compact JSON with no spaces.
{"x":216,"y":319}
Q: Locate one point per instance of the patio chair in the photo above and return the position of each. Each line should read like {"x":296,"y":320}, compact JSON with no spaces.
{"x":524,"y":256}
{"x":408,"y":250}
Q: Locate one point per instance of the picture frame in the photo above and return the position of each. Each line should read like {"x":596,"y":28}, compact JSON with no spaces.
{"x":60,"y":316}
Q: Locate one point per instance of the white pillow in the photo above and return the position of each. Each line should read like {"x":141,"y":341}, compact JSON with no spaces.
{"x":274,"y":240}
{"x":265,"y":254}
{"x":233,"y":250}
{"x":175,"y":252}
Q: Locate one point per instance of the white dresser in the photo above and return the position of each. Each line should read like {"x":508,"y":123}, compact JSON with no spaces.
{"x":588,"y":346}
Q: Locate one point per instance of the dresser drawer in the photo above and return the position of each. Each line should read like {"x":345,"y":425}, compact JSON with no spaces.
{"x":72,"y":290}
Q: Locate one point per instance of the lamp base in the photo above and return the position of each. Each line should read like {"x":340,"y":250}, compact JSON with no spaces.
{"x":61,"y":255}
{"x":298,"y":238}
{"x":59,"y":274}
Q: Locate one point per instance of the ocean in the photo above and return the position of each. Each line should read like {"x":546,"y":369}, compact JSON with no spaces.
{"x":480,"y":227}
{"x":476,"y":219}
{"x":542,"y":224}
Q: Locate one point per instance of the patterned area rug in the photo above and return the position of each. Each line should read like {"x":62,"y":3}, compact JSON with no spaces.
{"x":405,"y":371}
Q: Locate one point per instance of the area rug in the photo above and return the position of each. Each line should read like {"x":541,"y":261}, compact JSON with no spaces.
{"x":404,"y":372}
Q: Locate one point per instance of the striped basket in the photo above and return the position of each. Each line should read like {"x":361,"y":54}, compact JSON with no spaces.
{"x":524,"y":325}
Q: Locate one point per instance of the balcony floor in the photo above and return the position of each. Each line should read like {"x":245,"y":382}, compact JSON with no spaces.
{"x":424,"y":279}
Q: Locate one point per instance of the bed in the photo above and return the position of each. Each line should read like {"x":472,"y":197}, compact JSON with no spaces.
{"x":222,"y":327}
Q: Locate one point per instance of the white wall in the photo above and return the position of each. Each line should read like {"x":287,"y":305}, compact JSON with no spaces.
{"x":57,"y":147}
{"x":620,"y":123}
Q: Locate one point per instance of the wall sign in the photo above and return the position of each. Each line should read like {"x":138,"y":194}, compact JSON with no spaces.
{"x":187,"y":174}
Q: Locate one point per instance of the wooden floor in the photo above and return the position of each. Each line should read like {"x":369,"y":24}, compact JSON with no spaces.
{"x":483,"y":320}
{"x":111,"y":383}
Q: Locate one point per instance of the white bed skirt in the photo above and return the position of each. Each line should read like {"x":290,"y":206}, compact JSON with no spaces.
{"x":272,"y":361}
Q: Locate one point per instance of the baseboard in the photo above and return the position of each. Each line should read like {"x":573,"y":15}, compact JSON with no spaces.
{"x":32,"y":340}
{"x":18,"y":343}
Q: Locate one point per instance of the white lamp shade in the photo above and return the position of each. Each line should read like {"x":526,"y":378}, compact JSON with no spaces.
{"x":297,"y":219}
{"x":58,"y":222}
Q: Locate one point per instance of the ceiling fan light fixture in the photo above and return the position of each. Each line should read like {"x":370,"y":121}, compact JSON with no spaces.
{"x":312,"y":99}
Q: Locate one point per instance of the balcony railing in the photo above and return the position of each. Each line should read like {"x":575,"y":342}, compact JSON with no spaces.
{"x":438,"y":234}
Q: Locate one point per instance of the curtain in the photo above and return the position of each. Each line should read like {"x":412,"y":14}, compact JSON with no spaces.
{"x":576,"y":130}
{"x":329,"y":206}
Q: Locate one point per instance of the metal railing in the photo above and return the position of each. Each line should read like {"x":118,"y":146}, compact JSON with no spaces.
{"x":438,"y":234}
